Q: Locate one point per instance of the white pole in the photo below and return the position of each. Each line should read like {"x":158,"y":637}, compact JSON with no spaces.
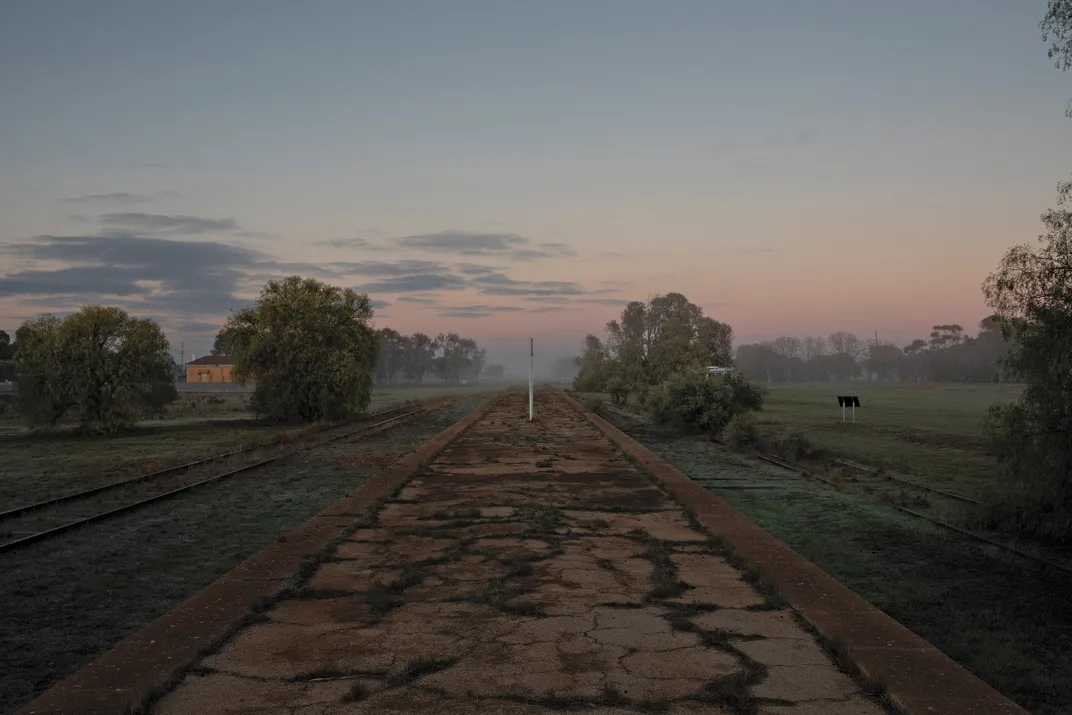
{"x":843,"y":412}
{"x":530,"y":379}
{"x":854,"y":413}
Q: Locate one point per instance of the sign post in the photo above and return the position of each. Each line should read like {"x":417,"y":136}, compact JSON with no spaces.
{"x":530,"y":380}
{"x":848,"y":401}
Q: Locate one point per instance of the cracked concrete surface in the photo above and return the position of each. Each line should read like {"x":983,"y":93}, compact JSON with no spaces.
{"x":529,"y":569}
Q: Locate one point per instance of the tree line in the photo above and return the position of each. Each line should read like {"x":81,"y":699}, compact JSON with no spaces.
{"x":413,"y":359}
{"x":949,"y":354}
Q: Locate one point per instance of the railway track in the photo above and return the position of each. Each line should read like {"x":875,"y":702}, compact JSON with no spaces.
{"x":804,"y":471}
{"x":42,"y":520}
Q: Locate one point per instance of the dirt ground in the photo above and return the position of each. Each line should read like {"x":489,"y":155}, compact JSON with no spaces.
{"x":530,"y":568}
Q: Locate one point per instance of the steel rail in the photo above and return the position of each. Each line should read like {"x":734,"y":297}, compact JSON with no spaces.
{"x":19,"y":510}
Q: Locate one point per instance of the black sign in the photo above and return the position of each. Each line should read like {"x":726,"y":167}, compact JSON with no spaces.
{"x":848,"y":401}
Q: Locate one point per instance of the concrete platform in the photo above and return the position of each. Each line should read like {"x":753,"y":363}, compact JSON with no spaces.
{"x":521,"y":568}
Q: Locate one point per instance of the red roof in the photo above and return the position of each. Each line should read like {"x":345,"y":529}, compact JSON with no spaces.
{"x":212,"y":360}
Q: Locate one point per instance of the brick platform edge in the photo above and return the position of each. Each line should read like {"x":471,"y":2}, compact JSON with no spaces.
{"x":120,"y":678}
{"x":917,"y":676}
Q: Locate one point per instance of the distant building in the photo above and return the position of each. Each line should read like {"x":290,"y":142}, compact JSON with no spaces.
{"x":210,"y":368}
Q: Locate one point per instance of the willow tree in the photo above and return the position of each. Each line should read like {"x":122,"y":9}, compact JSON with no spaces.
{"x":310,"y":348}
{"x":98,"y":367}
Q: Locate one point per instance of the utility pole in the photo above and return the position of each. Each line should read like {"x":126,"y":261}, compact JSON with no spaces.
{"x":530,"y":380}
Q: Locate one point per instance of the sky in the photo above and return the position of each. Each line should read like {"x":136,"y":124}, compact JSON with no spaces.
{"x":509,"y":168}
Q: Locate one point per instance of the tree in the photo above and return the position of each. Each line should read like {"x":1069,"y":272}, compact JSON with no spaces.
{"x":221,"y":345}
{"x":390,"y":355}
{"x":310,"y":348}
{"x":666,"y":335}
{"x":99,"y":366}
{"x":1032,"y":292}
{"x":565,"y":368}
{"x":494,"y":372}
{"x":884,"y":359}
{"x":759,"y":361}
{"x":811,"y":348}
{"x":789,"y":348}
{"x":6,"y":349}
{"x":842,"y":343}
{"x":418,"y":355}
{"x":593,"y":375}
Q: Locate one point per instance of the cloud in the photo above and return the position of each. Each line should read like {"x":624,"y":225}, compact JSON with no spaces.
{"x":485,"y":308}
{"x":176,"y":224}
{"x":419,"y":299}
{"x":414,"y":283}
{"x":200,"y":328}
{"x":501,"y":284}
{"x":351,"y":243}
{"x":464,"y":314}
{"x":473,"y":269}
{"x":563,"y":300}
{"x":405,"y":267}
{"x":119,"y":197}
{"x":380,"y":304}
{"x":497,"y":245}
{"x":151,"y":274}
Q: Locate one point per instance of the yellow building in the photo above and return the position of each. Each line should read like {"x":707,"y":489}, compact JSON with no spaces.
{"x":210,"y":368}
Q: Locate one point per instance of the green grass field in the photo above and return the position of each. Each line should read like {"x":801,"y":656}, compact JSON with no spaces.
{"x":931,"y":432}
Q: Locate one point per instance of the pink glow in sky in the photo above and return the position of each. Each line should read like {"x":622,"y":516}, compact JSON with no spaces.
{"x":525,"y":169}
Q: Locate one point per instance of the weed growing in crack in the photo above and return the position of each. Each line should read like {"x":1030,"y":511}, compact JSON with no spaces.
{"x":518,"y":568}
{"x":497,"y":593}
{"x":380,"y":599}
{"x":418,"y":668}
{"x":539,"y":517}
{"x":451,"y":515}
{"x":326,"y":673}
{"x":610,"y":695}
{"x":357,"y":692}
{"x":732,"y":693}
{"x":839,"y":653}
{"x":665,"y":581}
{"x":316,"y":594}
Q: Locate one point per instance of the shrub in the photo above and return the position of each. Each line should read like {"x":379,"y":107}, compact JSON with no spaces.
{"x":707,"y":403}
{"x":643,"y":392}
{"x":619,"y":391}
{"x":595,"y":405}
{"x":743,"y":432}
{"x":794,"y":444}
